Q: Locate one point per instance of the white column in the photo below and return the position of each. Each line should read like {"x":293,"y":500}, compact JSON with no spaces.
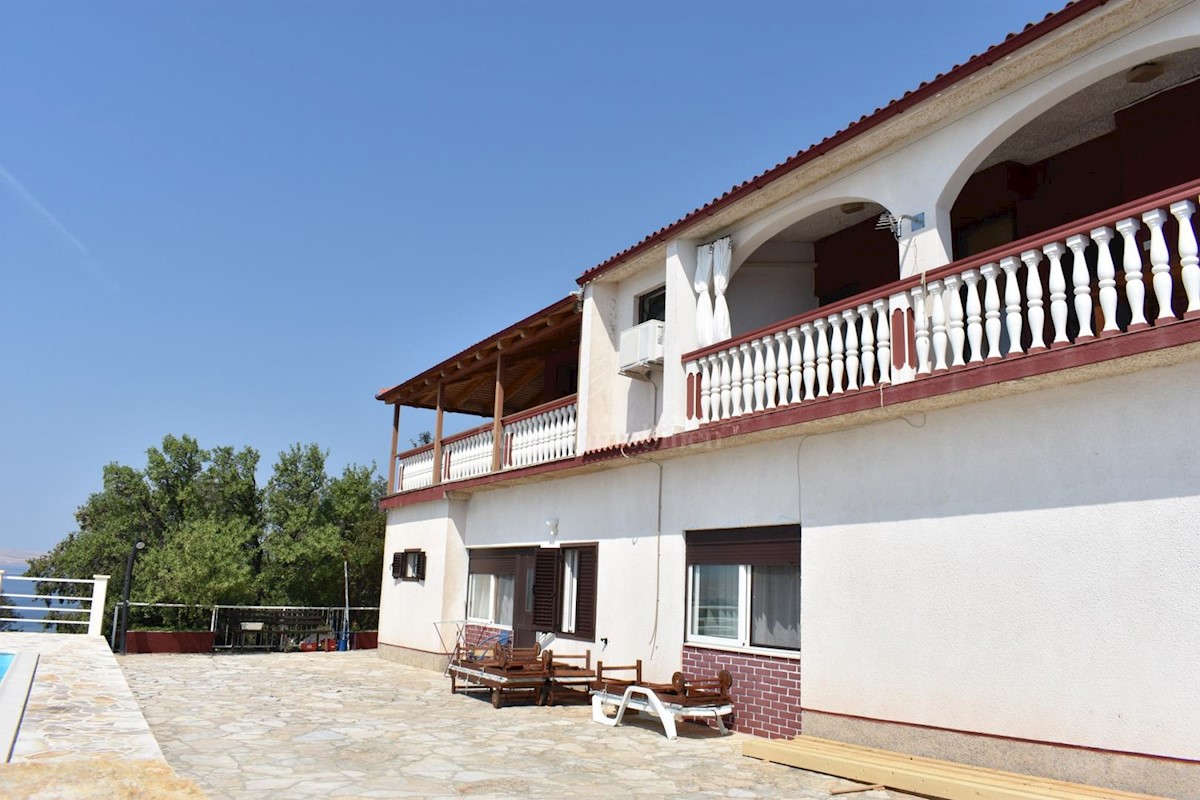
{"x":1106,"y":274}
{"x":96,"y":612}
{"x":991,"y":309}
{"x":837,"y":354}
{"x":1033,"y":299}
{"x":851,"y":349}
{"x":784,"y":364}
{"x":822,"y":358}
{"x":735,"y":381}
{"x":1012,"y":305}
{"x":922,"y":325}
{"x":883,"y":340}
{"x":705,"y":378}
{"x":760,"y":375}
{"x":810,"y":361}
{"x":772,"y":383}
{"x":952,"y":300}
{"x":796,"y":364}
{"x":748,"y":378}
{"x":1131,"y":264}
{"x":1058,"y":293}
{"x":1081,"y":280}
{"x":1190,"y":272}
{"x":726,"y":386}
{"x":1160,"y":264}
{"x":974,"y":315}
{"x":868,"y":345}
{"x":938,"y":320}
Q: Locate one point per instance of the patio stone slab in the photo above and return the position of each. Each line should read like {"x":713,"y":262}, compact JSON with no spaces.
{"x":352,"y":725}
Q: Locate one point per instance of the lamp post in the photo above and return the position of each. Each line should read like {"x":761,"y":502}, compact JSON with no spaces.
{"x":133,"y":551}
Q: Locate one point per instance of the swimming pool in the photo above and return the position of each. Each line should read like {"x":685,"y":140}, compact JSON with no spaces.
{"x":16,"y":679}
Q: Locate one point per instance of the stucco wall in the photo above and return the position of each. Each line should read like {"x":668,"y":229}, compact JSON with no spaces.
{"x":1020,"y":567}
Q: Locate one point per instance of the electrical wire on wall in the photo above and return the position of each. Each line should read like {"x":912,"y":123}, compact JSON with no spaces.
{"x":657,"y":522}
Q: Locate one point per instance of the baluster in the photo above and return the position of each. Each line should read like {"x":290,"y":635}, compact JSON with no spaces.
{"x":974,"y":315}
{"x":991,"y":309}
{"x":954,"y":311}
{"x":810,"y":361}
{"x":572,"y":428}
{"x":1189,"y":263}
{"x":883,"y":340}
{"x":1131,"y":263}
{"x":1058,"y":293}
{"x":796,"y":364}
{"x":747,"y":380}
{"x":837,"y":353}
{"x":922,"y":327}
{"x":1012,"y":305}
{"x":822,"y":358}
{"x":735,"y":380}
{"x":1160,"y":264}
{"x":760,"y":371}
{"x":867,"y":345}
{"x":1106,"y":272}
{"x":768,"y":343}
{"x":1033,"y":298}
{"x":851,"y":349}
{"x":726,"y":386}
{"x":784,"y":376}
{"x":939,"y":339}
{"x":1081,"y":280}
{"x":705,"y":388}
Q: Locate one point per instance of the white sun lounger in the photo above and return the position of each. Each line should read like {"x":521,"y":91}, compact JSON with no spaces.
{"x":641,"y":698}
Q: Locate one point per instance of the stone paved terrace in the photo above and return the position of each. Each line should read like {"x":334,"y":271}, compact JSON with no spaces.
{"x":354,"y":725}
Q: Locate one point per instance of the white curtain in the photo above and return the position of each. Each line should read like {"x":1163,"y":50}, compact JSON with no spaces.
{"x":722,"y":261}
{"x":704,"y":308}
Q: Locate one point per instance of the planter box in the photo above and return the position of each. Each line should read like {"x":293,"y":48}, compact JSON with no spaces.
{"x":169,"y":641}
{"x":364,"y":640}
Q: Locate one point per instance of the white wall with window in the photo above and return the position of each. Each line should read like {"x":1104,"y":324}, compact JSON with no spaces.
{"x":744,"y":587}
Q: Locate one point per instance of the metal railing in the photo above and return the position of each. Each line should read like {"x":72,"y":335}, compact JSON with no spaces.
{"x":51,"y":608}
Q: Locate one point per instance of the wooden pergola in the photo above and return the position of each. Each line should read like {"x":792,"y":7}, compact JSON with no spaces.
{"x":507,"y":373}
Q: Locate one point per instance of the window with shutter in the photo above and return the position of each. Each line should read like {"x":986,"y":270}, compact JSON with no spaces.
{"x":545,"y":589}
{"x":744,"y":587}
{"x":564,"y":590}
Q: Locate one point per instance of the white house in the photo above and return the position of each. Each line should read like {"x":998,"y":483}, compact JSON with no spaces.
{"x":902,"y":432}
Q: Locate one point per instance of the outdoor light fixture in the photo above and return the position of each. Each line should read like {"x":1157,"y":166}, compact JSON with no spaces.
{"x":133,"y":551}
{"x":552,"y":526}
{"x":852,"y":208}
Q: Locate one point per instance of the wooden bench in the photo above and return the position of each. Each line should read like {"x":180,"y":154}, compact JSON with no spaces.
{"x":504,"y":670}
{"x":926,"y":776}
{"x":275,"y":629}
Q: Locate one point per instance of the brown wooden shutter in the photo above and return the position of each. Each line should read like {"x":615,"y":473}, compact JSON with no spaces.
{"x":585,"y":606}
{"x":493,"y":561}
{"x":547,"y":589}
{"x":398,"y":566}
{"x":773,"y":545}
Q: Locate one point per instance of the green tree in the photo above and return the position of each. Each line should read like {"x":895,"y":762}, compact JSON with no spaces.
{"x":203,"y":562}
{"x":354,"y":498}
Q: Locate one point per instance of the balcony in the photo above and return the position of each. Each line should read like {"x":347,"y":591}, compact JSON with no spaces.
{"x":537,"y":436}
{"x":1120,"y":278}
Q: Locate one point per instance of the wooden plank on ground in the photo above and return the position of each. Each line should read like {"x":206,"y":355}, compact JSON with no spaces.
{"x":928,"y":776}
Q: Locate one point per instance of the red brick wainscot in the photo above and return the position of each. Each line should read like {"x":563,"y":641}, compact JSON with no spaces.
{"x":766,"y":689}
{"x":475,"y":635}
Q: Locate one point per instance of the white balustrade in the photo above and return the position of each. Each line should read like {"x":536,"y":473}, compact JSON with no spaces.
{"x":543,"y":437}
{"x":415,"y":471}
{"x":961,"y":319}
{"x":467,"y":457}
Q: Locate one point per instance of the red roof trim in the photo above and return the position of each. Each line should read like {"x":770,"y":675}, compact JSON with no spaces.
{"x":1013,"y":42}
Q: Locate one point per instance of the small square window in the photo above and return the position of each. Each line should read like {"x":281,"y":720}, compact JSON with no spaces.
{"x":409,"y":565}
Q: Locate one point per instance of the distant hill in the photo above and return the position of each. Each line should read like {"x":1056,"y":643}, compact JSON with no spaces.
{"x":14,"y":560}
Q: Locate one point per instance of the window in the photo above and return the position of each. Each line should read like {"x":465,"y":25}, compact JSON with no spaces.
{"x":744,"y":587}
{"x":490,"y":598}
{"x":409,"y":565}
{"x":653,"y":305}
{"x":491,"y":586}
{"x":565,"y":591}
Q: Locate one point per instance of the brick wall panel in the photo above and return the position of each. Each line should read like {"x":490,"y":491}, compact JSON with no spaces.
{"x":766,"y":689}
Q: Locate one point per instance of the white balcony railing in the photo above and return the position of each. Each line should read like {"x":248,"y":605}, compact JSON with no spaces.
{"x":90,"y":606}
{"x":541,"y":434}
{"x":987,"y":308}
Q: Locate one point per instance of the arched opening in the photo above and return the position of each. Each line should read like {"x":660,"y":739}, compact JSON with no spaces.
{"x":1126,"y":136}
{"x":823,"y":258}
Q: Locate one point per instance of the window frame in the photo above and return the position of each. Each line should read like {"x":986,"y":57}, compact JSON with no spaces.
{"x":553,"y":589}
{"x":408,"y":565}
{"x":645,"y":299}
{"x":743,"y":548}
{"x":493,"y":595}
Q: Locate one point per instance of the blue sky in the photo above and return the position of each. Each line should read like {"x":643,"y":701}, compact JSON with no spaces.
{"x":239,"y":220}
